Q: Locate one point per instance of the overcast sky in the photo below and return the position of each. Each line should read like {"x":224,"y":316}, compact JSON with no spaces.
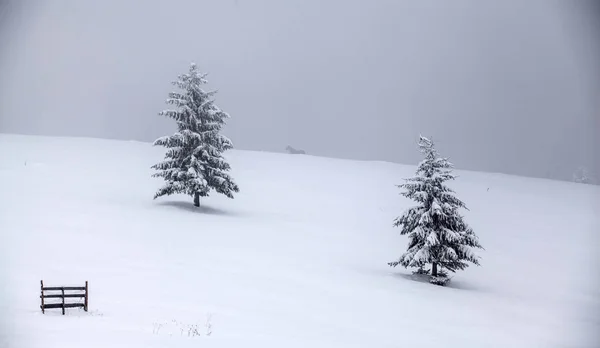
{"x":507,"y":86}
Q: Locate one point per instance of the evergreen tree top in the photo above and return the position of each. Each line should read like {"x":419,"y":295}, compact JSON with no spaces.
{"x":196,"y":110}
{"x":426,"y":146}
{"x":431,"y":172}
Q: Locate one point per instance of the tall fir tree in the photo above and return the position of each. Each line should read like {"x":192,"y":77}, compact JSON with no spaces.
{"x":194,"y":164}
{"x":437,"y":233}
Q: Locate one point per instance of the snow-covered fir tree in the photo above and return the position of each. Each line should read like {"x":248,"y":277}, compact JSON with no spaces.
{"x":193,"y":163}
{"x":437,"y":233}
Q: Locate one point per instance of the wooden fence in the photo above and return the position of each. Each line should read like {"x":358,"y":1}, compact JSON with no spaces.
{"x":62,"y":296}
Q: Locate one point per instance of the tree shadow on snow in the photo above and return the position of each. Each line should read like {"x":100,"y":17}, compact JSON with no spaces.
{"x":202,"y":209}
{"x":452,"y":284}
{"x":461,"y":285}
{"x":420,"y":278}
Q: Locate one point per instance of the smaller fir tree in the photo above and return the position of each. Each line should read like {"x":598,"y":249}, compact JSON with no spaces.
{"x":582,"y":176}
{"x":194,"y":163}
{"x":437,"y":233}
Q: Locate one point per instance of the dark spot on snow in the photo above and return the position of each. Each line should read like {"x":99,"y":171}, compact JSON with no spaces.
{"x":189,"y":206}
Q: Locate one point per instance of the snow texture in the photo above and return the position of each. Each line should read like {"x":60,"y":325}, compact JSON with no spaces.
{"x":297,"y":259}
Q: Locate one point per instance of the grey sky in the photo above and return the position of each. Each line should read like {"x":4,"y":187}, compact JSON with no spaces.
{"x":507,"y":86}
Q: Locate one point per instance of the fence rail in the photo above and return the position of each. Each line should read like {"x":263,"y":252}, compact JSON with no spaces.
{"x":80,"y":288}
{"x":62,"y":305}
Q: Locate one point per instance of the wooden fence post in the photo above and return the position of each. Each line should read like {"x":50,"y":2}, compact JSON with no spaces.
{"x":42,"y":295}
{"x":63,"y":300}
{"x":85,"y":307}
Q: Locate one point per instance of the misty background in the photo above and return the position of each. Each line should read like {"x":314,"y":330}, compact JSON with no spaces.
{"x":508,"y":86}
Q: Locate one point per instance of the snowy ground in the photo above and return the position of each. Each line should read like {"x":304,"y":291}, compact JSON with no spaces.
{"x":297,"y":259}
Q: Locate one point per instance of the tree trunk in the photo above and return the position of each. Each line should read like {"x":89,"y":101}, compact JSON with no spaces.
{"x":434,"y":269}
{"x":196,"y":199}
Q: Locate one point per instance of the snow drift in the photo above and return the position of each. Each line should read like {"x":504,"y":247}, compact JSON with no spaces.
{"x":297,"y":259}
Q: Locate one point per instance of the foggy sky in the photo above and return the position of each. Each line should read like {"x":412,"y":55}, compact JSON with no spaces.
{"x":502,"y":86}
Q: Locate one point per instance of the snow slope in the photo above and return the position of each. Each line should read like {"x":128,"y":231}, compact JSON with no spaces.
{"x":297,"y":259}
